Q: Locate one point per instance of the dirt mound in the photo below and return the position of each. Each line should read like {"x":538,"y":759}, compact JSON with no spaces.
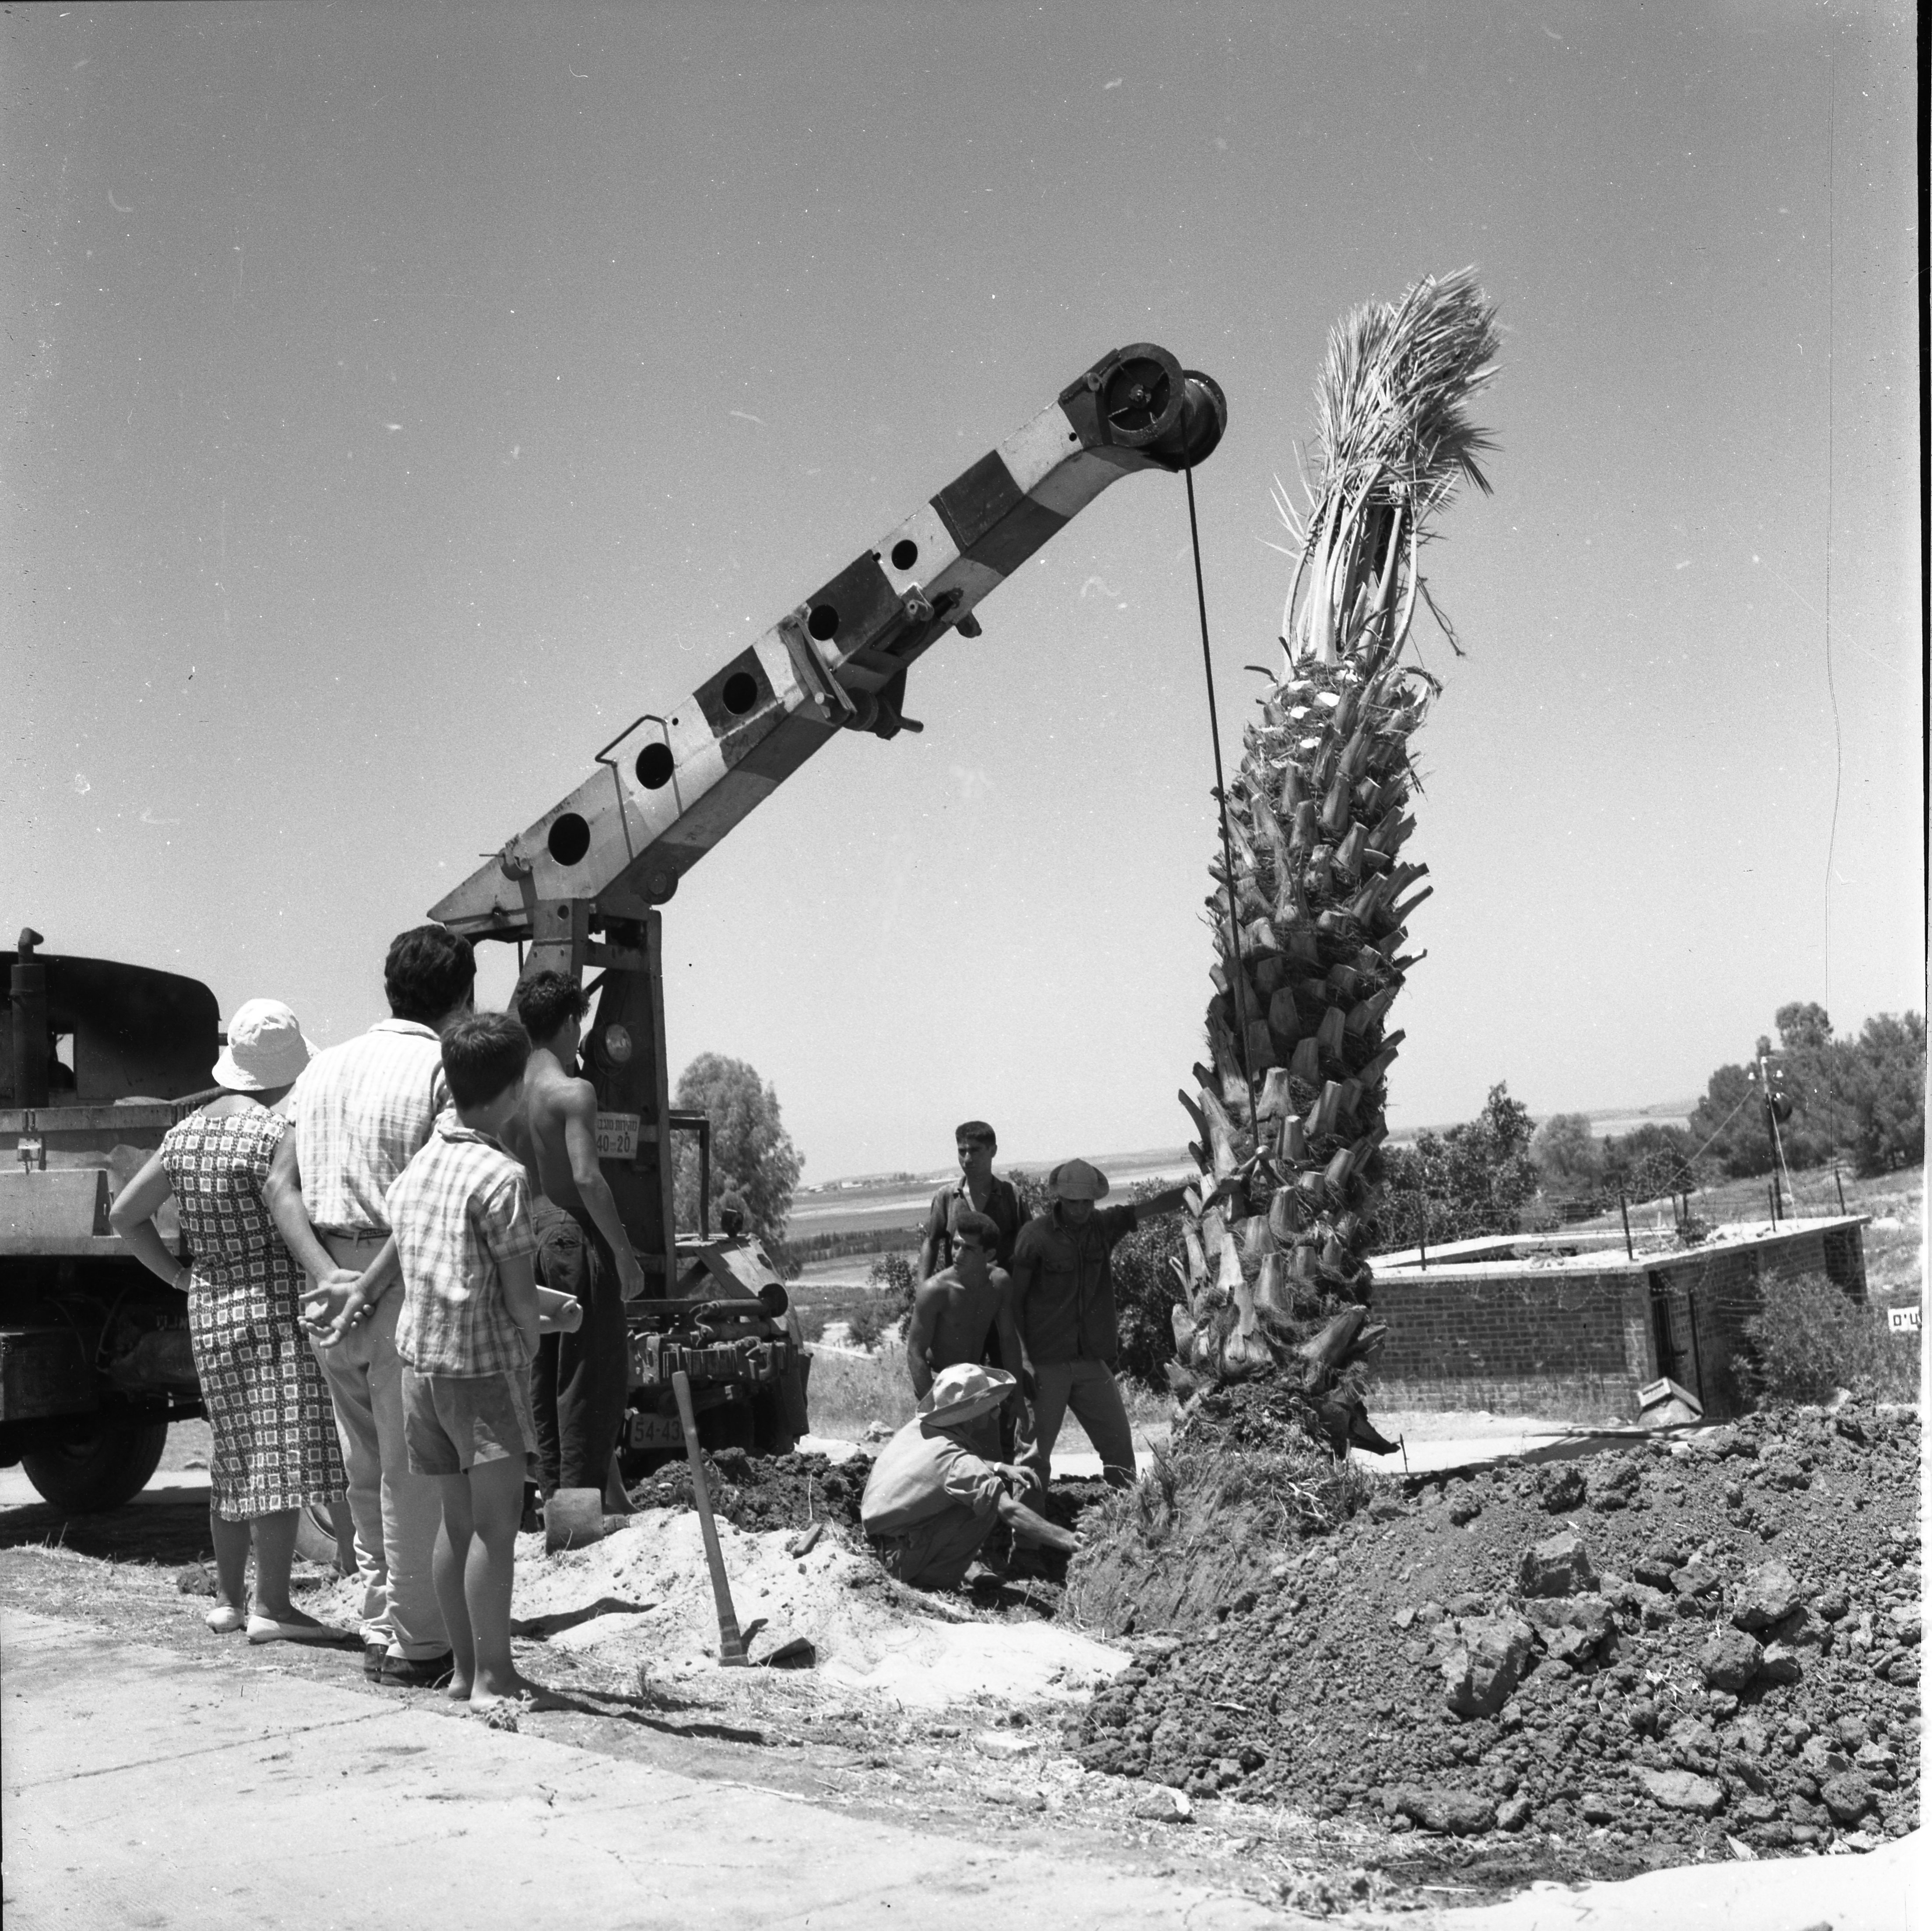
{"x":759,"y":1492}
{"x":1642,"y":1654}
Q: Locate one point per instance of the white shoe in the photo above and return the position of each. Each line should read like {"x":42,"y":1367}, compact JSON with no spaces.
{"x":224,"y":1619}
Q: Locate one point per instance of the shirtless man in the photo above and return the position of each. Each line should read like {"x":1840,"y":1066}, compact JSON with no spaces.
{"x":953,"y":1311}
{"x":578,"y":1381}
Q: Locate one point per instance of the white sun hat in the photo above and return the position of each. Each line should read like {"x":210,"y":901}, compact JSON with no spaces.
{"x":962,"y":1392}
{"x":265,"y":1047}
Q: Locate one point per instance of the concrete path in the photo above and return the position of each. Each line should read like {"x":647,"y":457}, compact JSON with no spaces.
{"x":141,"y":1789}
{"x":1885,"y":1890}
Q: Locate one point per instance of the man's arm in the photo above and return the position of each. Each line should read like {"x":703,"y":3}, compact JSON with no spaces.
{"x":579,"y":1107}
{"x":1012,"y":1358}
{"x":1030,"y":1527}
{"x":921,"y":1331}
{"x":1167,"y":1202}
{"x":283,"y":1191}
{"x":330,"y":1312}
{"x":1020,"y":1278}
{"x":935,"y":1231}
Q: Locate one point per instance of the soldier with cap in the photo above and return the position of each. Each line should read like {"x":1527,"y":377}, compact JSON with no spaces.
{"x":934,"y":1494}
{"x":1062,"y":1303}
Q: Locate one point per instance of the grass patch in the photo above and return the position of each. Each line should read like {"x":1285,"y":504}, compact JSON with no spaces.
{"x":848,"y":1391}
{"x":1200,"y":1531}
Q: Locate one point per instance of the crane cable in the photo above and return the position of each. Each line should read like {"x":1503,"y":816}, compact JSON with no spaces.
{"x":1240,"y":977}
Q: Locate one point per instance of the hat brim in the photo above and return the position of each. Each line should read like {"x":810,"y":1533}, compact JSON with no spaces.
{"x":227,"y":1072}
{"x":1099,"y":1190}
{"x":955,"y":1412}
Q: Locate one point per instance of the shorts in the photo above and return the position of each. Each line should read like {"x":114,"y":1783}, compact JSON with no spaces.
{"x":452,"y":1422}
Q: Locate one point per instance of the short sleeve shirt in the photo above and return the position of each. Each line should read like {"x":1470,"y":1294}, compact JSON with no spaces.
{"x":1002,"y":1208}
{"x":1068,"y":1313}
{"x":360,"y":1111}
{"x":459,"y":1210}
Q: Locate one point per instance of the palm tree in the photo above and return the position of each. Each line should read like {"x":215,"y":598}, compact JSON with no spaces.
{"x":1310,"y":929}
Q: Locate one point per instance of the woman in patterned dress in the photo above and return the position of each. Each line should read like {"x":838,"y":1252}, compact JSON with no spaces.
{"x":275,"y":1445}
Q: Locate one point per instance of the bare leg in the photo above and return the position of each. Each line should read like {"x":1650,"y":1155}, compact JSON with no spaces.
{"x":231,"y":1560}
{"x":496,"y":1496}
{"x":446,"y":1568}
{"x":274,"y":1536}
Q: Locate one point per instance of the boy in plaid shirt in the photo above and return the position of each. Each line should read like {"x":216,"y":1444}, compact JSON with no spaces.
{"x":461,"y":1211}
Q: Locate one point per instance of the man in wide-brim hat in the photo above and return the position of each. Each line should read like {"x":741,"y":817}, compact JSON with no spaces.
{"x":1063,"y":1301}
{"x":933,"y":1496}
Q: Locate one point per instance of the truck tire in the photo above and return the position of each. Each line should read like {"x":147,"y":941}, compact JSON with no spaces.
{"x":104,"y":1461}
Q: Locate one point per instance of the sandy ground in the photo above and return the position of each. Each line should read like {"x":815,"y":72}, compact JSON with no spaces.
{"x":864,"y":1790}
{"x":146,"y":1787}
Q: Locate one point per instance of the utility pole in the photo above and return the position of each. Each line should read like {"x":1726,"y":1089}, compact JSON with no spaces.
{"x":1769,"y":1075}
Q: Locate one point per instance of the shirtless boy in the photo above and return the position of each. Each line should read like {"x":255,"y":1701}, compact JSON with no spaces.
{"x":579,"y":1381}
{"x":952,"y":1311}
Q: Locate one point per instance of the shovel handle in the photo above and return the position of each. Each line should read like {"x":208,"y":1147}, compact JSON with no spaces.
{"x":730,"y":1645}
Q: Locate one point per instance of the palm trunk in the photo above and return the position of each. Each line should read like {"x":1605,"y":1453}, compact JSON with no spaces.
{"x":1310,"y":932}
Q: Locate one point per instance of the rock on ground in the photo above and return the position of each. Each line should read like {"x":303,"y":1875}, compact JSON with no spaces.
{"x":1321,"y":1685}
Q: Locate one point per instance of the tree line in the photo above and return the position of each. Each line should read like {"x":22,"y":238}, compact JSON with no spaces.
{"x":1858,"y":1100}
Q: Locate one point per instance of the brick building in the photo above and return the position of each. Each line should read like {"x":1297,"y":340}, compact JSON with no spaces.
{"x":1570,"y":1326}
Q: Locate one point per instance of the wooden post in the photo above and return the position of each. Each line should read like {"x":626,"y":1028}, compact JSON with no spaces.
{"x":1837,"y":1181}
{"x":1623,"y":1208}
{"x":1422,"y":1231}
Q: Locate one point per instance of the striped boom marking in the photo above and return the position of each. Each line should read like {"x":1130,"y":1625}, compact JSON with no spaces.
{"x":667,"y":790}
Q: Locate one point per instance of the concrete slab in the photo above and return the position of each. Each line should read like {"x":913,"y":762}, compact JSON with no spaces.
{"x":1885,"y":1890}
{"x":142,"y":1789}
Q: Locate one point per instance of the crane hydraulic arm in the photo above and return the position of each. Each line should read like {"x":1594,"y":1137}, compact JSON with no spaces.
{"x":581,"y":886}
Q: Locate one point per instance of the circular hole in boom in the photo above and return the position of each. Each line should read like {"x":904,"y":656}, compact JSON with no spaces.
{"x":569,"y":839}
{"x":655,"y":766}
{"x":823,"y":622}
{"x":905,"y":554}
{"x":741,"y":692}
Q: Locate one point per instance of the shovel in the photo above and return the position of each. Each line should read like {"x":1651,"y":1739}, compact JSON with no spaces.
{"x":730,"y":1645}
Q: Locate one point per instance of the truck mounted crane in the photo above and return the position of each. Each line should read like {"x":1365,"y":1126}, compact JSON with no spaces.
{"x":93,"y":1360}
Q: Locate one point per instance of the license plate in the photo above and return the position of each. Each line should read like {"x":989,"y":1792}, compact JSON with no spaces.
{"x":617,"y":1136}
{"x":656,"y":1432}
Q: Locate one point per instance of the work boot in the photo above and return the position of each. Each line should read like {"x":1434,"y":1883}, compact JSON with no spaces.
{"x":419,"y":1672}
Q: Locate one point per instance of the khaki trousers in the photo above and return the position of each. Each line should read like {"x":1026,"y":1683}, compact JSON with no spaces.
{"x":1087,"y":1388}
{"x":396,"y":1514}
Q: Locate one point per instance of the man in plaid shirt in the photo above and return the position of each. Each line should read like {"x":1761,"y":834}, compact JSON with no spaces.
{"x":460,"y":1211}
{"x":362,"y":1110}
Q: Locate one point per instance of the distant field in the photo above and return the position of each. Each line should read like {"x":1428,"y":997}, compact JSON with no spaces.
{"x":889,"y":1204}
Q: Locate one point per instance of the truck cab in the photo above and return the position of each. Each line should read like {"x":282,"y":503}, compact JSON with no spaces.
{"x":97,"y":1060}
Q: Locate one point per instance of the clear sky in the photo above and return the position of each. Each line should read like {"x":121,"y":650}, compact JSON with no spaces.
{"x":400,"y":400}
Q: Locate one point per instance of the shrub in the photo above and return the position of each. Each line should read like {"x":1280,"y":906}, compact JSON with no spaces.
{"x":1475,"y":1179}
{"x":892,"y":1279}
{"x":1810,"y":1338}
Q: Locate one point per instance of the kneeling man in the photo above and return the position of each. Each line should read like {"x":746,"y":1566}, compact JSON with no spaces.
{"x":933,"y":1496}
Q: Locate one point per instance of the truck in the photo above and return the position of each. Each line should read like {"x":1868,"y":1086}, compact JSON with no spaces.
{"x":95,"y":1352}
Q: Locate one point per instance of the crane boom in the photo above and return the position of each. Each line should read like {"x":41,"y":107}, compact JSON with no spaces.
{"x":581,"y":887}
{"x":670,"y":785}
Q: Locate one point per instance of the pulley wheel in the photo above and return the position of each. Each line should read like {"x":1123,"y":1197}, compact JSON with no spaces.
{"x":1141,"y":396}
